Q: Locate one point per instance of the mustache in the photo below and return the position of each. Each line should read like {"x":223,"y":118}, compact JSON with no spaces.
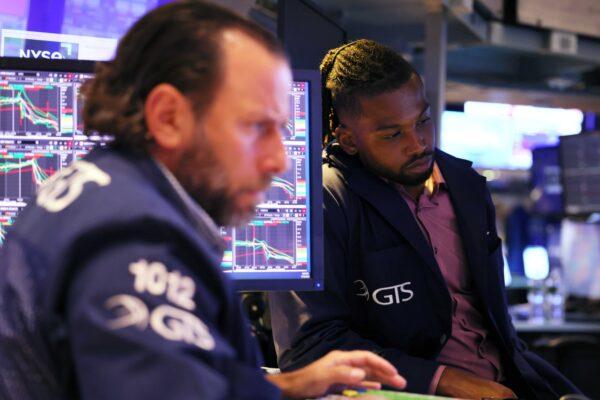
{"x":416,"y":158}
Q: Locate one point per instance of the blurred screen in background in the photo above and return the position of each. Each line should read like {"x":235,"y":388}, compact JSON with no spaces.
{"x":502,"y":136}
{"x":67,"y":29}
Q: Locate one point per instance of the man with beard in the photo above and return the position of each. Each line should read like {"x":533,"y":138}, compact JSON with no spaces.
{"x":110,"y":282}
{"x":412,"y":259}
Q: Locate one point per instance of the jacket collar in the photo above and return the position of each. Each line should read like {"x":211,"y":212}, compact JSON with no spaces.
{"x":468,"y":195}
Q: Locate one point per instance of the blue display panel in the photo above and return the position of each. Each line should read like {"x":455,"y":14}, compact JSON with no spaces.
{"x":67,"y":29}
{"x":13,"y":14}
{"x":545,"y":181}
{"x":502,"y":136}
{"x":580,"y":167}
{"x":103,"y":18}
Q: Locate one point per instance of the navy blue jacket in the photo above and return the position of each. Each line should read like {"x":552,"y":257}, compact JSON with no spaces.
{"x":372,"y":246}
{"x":109,"y":291}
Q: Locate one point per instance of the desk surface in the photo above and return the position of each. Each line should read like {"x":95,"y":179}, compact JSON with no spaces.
{"x":559,"y":327}
{"x":382,"y":395}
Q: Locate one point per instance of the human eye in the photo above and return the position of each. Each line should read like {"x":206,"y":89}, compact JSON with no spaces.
{"x":256,"y":128}
{"x":394,"y":135}
{"x":424,"y":120}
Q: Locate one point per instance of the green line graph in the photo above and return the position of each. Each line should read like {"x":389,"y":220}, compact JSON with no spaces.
{"x":20,"y":98}
{"x":268,"y":251}
{"x":7,"y":219}
{"x":285,"y":185}
{"x":39,"y":175}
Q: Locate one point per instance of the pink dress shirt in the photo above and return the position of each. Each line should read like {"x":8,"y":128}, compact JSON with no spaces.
{"x":469,"y":348}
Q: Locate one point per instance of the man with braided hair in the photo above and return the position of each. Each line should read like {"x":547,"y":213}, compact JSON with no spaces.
{"x":110,"y":281}
{"x":412,"y":259}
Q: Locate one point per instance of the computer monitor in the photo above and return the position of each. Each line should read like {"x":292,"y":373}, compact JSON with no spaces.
{"x":41,"y":132}
{"x":282,"y":247}
{"x":41,"y":128}
{"x":580,"y":258}
{"x":580,"y":166}
{"x":501,"y":136}
{"x":546,"y":181}
{"x":307,"y":32}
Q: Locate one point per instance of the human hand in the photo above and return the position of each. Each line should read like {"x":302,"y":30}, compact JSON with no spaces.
{"x":459,"y":384}
{"x":361,"y":369}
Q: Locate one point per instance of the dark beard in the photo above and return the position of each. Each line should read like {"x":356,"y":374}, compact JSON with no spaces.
{"x":199,"y":174}
{"x":400,"y":177}
{"x":414,"y":180}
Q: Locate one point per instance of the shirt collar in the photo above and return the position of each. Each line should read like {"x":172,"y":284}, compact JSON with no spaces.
{"x":433,"y":183}
{"x":203,"y":222}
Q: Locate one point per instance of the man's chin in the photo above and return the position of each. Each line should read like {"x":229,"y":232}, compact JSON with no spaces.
{"x":414,"y":180}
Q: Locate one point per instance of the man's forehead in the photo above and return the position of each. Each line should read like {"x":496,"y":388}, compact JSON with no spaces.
{"x":411,"y":93}
{"x":240,"y":49}
{"x":247,"y":61}
{"x":253,"y":78}
{"x":393,"y":107}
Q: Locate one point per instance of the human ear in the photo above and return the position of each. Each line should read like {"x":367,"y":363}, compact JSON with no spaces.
{"x":346,"y":139}
{"x":169,"y":117}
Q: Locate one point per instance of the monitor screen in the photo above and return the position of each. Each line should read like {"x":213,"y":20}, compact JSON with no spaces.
{"x":545,"y":181}
{"x":580,"y":258}
{"x":281,"y":248}
{"x":501,"y":136}
{"x":41,"y":130}
{"x":307,"y":33}
{"x":580,"y":166}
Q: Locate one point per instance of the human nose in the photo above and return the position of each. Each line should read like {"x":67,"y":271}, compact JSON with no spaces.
{"x":274,"y":159}
{"x":415,"y":145}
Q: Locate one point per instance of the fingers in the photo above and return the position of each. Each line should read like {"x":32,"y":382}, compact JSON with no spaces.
{"x":362,"y":358}
{"x":395,"y":381}
{"x":344,"y":375}
{"x":369,"y":385}
{"x":375,"y":367}
{"x":509,"y":394}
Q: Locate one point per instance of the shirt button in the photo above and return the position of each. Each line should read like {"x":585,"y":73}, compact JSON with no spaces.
{"x":443,"y":339}
{"x":435,"y":250}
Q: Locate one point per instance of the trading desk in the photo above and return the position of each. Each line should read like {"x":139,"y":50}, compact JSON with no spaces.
{"x":382,"y":395}
{"x":525,"y":327}
{"x":572,"y":347}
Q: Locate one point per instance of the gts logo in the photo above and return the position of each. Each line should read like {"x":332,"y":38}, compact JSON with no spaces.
{"x":50,"y":55}
{"x":385,"y":296}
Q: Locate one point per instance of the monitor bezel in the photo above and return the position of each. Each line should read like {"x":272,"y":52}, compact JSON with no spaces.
{"x":315,"y":219}
{"x":59,"y":65}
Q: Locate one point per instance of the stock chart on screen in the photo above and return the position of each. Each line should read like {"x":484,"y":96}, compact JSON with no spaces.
{"x":275,"y":244}
{"x":40,"y":133}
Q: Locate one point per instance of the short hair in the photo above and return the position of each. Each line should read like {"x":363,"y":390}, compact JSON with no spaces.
{"x":362,"y":68}
{"x":176,"y":44}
